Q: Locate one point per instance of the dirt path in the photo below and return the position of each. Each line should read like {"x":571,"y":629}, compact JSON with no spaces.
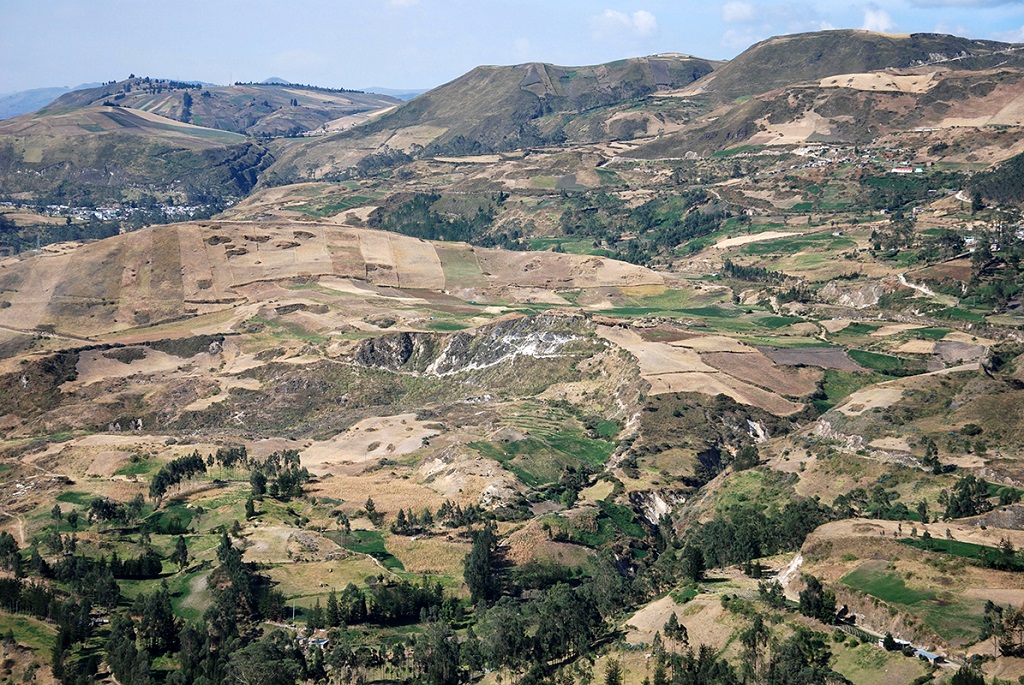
{"x":21,"y":525}
{"x":45,"y":334}
{"x":787,"y":575}
{"x":919,"y":288}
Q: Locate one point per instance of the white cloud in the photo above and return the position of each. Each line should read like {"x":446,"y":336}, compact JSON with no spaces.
{"x":1011,"y":36}
{"x":952,"y":29}
{"x":612,"y":24}
{"x":877,"y":19}
{"x":735,"y":12}
{"x":523,"y":49}
{"x":741,"y":39}
{"x":645,"y":23}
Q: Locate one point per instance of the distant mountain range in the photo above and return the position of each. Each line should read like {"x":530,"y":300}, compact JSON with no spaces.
{"x":400,"y":93}
{"x":25,"y":101}
{"x":839,"y":86}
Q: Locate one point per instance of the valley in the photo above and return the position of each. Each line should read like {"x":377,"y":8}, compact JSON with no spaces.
{"x":686,"y":370}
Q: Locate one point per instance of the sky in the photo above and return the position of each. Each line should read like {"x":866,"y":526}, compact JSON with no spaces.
{"x":419,"y":44}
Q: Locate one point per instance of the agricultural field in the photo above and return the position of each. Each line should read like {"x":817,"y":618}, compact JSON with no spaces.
{"x":665,"y":370}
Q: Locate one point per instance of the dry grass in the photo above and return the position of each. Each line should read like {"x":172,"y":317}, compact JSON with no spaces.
{"x":760,"y":370}
{"x":677,"y":367}
{"x":531,"y":543}
{"x":317,"y":578}
{"x":389,"y":493}
{"x":368,"y":440}
{"x":433,"y":555}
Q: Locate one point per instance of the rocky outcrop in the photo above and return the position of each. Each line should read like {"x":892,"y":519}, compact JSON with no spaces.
{"x":390,"y":351}
{"x":651,"y":505}
{"x":858,"y":296}
{"x":441,"y":355}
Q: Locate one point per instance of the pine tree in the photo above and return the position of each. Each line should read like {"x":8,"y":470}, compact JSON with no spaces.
{"x":478,"y":565}
{"x":660,"y":677}
{"x":693,"y":563}
{"x":180,"y":554}
{"x":332,"y":616}
{"x":401,"y":525}
{"x":158,"y":629}
{"x":613,"y":673}
{"x":316,"y":617}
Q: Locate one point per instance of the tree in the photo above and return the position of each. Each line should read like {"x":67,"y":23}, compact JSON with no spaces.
{"x":471,"y":654}
{"x":56,"y":513}
{"x":674,"y":630}
{"x":258,"y":482}
{"x":250,"y":508}
{"x":265,"y":662}
{"x":967,"y":676}
{"x":502,"y":631}
{"x":127,"y":663}
{"x":180,"y":554}
{"x":817,"y":602}
{"x":922,"y":511}
{"x":992,"y":623}
{"x":332,"y":614}
{"x":1010,"y":631}
{"x":772,"y":594}
{"x":693,"y":563}
{"x":478,"y":565}
{"x":352,"y":604}
{"x":746,"y":457}
{"x":436,"y":653}
{"x":977,"y":202}
{"x":569,"y":622}
{"x":158,"y":629}
{"x":613,"y":673}
{"x":802,"y":660}
{"x":968,"y":497}
{"x":135,"y":506}
{"x":316,"y":616}
{"x":755,"y":640}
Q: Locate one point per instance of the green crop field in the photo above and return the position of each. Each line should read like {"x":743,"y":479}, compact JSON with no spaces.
{"x":878,"y":362}
{"x":369,"y":542}
{"x":31,"y":632}
{"x":873,"y":579}
{"x":955,"y":618}
{"x":930,"y":333}
{"x":815,"y":241}
{"x":839,"y":385}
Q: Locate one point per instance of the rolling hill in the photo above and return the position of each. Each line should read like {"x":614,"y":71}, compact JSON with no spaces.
{"x":68,"y":155}
{"x":788,"y":60}
{"x":664,"y":370}
{"x":258,"y":109}
{"x":856,"y":108}
{"x":496,"y":108}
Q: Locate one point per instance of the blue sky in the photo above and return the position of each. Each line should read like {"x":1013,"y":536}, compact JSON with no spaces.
{"x":422,"y":43}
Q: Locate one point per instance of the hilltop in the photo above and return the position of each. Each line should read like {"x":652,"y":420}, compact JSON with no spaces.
{"x":796,"y":58}
{"x":174,"y":139}
{"x":498,"y":108}
{"x":259,"y":109}
{"x":105,"y":153}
